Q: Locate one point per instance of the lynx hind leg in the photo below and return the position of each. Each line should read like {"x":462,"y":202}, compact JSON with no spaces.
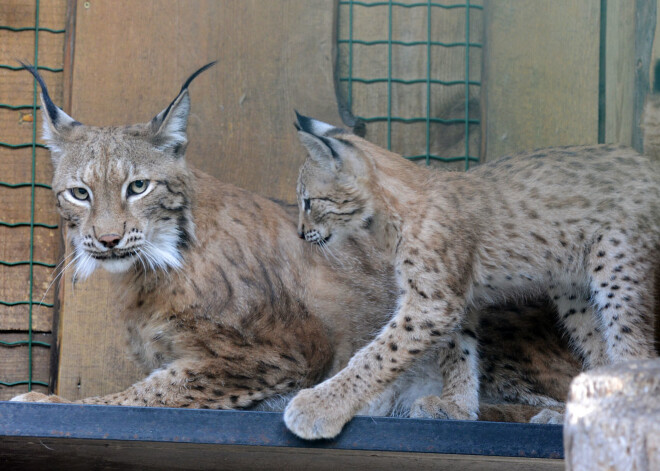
{"x":457,"y":362}
{"x":523,"y":413}
{"x":579,"y":319}
{"x":195,"y":385}
{"x":622,"y":270}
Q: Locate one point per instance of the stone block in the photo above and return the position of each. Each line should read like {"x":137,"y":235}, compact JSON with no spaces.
{"x":613,"y":418}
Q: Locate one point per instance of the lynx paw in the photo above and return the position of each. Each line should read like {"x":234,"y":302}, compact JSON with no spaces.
{"x":38,"y":397}
{"x":433,"y":407}
{"x":547,"y":416}
{"x":312,"y":414}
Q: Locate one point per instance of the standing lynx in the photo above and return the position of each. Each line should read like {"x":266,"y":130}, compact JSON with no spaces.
{"x":581,"y":224}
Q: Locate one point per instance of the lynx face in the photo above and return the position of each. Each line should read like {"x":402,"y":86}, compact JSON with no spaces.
{"x":333,"y":203}
{"x":124,"y":192}
{"x":125,"y":200}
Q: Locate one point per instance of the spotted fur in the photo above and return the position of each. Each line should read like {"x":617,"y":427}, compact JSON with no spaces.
{"x":580,"y":224}
{"x":224,"y":306}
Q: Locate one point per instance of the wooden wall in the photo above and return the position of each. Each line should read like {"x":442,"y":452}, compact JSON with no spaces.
{"x":16,"y":88}
{"x":126,"y":61}
{"x":543,"y":69}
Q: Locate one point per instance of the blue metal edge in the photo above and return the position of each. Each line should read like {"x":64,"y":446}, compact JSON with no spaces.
{"x":74,"y":421}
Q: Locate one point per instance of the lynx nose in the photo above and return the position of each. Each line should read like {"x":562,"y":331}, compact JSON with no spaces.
{"x":301,"y":232}
{"x":109,"y":240}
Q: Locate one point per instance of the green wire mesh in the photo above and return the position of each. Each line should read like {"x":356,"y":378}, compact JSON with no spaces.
{"x":29,"y":342}
{"x":350,"y":79}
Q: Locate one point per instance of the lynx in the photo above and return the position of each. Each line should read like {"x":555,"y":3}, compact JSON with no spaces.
{"x":580,"y":224}
{"x":224,"y":306}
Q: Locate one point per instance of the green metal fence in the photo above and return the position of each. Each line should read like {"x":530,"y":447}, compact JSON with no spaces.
{"x":348,"y":43}
{"x":29,"y":343}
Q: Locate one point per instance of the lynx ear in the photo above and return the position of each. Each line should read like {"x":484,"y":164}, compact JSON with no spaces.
{"x":313,"y":135}
{"x":169,"y":126}
{"x":57,"y":124}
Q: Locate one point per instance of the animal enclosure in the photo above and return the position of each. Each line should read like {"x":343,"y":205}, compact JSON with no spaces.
{"x":448,"y":83}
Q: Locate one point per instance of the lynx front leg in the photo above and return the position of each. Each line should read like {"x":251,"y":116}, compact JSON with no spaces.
{"x":321,"y":412}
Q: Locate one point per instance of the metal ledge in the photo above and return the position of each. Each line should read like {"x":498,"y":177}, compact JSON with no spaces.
{"x":71,"y":436}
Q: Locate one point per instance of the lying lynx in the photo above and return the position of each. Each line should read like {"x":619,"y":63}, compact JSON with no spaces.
{"x":223,"y":304}
{"x":581,"y":224}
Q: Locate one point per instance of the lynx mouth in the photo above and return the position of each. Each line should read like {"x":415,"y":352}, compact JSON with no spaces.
{"x":314,"y":237}
{"x":113,"y":255}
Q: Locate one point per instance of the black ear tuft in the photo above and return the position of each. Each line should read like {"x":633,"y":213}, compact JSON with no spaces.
{"x":169,"y":126}
{"x":295,"y":123}
{"x":195,"y":74}
{"x":51,"y":108}
{"x":185,"y":86}
{"x":304,"y":123}
{"x":328,"y":143}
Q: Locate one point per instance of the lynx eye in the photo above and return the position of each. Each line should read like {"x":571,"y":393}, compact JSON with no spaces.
{"x":80,"y":194}
{"x":138,"y":187}
{"x":307,"y":204}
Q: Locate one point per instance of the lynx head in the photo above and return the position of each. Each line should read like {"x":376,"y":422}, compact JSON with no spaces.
{"x":333,"y":188}
{"x":124,"y":192}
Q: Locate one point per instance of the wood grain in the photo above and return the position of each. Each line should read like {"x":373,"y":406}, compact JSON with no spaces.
{"x":77,"y":454}
{"x":15,"y":364}
{"x":617,"y":120}
{"x":541,"y":69}
{"x":17,"y":88}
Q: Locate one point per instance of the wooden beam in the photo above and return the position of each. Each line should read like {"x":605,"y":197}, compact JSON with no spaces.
{"x":645,"y":21}
{"x":160,"y":438}
{"x":618,"y":72}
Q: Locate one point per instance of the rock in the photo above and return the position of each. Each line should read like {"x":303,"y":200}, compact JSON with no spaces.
{"x":613,"y":418}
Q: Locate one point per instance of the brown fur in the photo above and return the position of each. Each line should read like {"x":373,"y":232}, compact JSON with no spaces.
{"x":252,"y":312}
{"x":231,"y":307}
{"x":580,"y":224}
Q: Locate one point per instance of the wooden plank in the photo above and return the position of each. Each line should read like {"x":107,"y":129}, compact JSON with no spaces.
{"x":645,"y":21}
{"x":177,"y":438}
{"x":541,"y":74}
{"x":92,"y":352}
{"x":655,"y":61}
{"x":16,"y":88}
{"x":273,"y":57}
{"x":619,"y":72}
{"x":19,"y":13}
{"x":655,"y":52}
{"x":15,"y":287}
{"x":15,"y":361}
{"x":20,"y":45}
{"x":81,"y":455}
{"x":410,"y":63}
